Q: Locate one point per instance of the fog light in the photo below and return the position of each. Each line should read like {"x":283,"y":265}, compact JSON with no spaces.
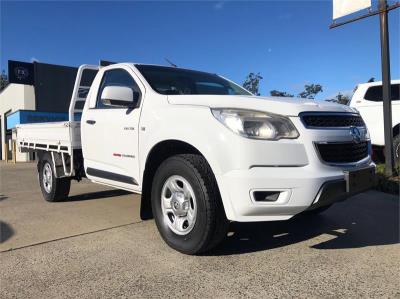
{"x":266,"y":196}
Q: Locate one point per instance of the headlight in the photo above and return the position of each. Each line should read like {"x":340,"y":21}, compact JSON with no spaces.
{"x":256,"y":124}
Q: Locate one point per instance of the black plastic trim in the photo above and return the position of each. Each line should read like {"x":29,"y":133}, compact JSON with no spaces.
{"x":266,"y":196}
{"x":111,"y":176}
{"x":329,"y":193}
{"x":333,"y":191}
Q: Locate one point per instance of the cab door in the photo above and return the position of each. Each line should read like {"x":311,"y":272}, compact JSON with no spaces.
{"x":110,"y":132}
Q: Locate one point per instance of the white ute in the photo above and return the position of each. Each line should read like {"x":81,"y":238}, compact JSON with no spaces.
{"x":201,"y":150}
{"x":367,"y":99}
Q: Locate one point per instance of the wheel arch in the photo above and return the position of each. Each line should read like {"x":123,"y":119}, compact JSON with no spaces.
{"x":158,"y":153}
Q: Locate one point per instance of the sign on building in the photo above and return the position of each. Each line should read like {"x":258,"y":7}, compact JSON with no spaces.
{"x":20,"y":72}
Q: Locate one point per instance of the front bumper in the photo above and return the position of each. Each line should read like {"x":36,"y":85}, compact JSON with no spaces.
{"x":301,"y":188}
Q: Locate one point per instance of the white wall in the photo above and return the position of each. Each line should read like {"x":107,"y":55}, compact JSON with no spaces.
{"x":15,"y":97}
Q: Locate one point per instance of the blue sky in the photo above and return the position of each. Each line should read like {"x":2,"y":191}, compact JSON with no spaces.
{"x":288,"y":42}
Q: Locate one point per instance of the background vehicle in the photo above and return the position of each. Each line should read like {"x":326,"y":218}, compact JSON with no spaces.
{"x":201,"y":150}
{"x":367,"y":99}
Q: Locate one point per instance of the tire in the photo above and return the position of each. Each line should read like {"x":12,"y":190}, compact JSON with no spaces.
{"x":53,"y":189}
{"x":396,"y":151}
{"x":191,"y":218}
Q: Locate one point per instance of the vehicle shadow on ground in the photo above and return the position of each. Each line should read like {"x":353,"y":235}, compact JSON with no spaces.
{"x":6,"y":231}
{"x":352,"y":224}
{"x":97,"y":195}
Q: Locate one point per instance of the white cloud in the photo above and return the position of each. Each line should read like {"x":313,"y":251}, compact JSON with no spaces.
{"x":34,"y":59}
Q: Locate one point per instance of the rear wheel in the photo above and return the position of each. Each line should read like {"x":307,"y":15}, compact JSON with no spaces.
{"x":53,"y":189}
{"x":187,"y":206}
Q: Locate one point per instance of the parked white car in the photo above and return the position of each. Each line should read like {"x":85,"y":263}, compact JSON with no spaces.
{"x":367,"y":99}
{"x":202,"y":150}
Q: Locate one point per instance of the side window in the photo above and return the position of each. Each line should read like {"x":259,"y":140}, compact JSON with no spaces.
{"x":395,"y":92}
{"x":116,"y":77}
{"x":374,"y":93}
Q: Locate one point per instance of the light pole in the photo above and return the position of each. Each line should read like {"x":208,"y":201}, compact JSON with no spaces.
{"x":386,"y":87}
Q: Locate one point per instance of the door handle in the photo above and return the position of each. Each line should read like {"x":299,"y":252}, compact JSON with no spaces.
{"x":91,"y":122}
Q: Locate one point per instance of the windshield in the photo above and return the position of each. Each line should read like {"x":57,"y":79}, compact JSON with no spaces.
{"x":170,"y":80}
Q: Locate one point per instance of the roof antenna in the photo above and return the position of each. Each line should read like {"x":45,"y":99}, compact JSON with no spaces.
{"x":170,"y":62}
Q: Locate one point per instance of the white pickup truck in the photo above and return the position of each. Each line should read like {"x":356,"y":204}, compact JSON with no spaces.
{"x":201,"y":150}
{"x":367,"y":99}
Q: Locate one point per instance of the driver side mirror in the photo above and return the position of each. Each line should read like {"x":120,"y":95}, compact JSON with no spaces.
{"x":119,"y":96}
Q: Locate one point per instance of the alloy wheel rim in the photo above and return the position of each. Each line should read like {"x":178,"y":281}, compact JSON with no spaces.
{"x":178,"y":205}
{"x":47,"y":177}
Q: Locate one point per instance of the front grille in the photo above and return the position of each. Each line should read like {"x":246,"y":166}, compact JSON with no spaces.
{"x":337,"y":120}
{"x":342,"y":152}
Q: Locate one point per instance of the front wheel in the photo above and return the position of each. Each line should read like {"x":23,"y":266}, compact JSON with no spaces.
{"x":187,"y":206}
{"x":53,"y":189}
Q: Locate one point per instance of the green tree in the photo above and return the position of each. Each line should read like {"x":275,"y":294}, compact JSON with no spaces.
{"x":277,"y":93}
{"x":340,"y":99}
{"x":252,"y":83}
{"x":3,"y":80}
{"x":310,"y":91}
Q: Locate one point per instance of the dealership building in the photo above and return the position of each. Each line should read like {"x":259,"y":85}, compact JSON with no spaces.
{"x":37,"y":92}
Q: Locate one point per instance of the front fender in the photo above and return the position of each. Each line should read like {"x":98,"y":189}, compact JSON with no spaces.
{"x":196,"y":127}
